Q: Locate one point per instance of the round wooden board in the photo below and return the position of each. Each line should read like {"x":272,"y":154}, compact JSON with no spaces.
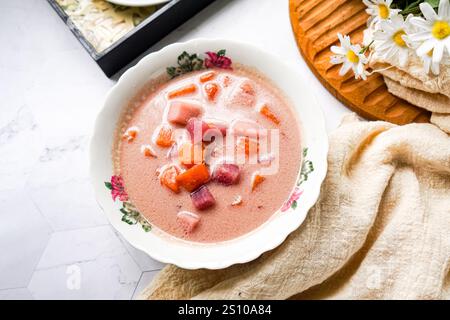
{"x":315,"y":24}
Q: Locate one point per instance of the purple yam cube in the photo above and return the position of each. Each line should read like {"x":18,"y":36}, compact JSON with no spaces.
{"x":202,"y":198}
{"x":226,"y":174}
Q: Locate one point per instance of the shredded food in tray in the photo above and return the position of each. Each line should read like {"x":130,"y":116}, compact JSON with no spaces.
{"x":103,"y":23}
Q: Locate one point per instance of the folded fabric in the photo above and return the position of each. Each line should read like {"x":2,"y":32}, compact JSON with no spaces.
{"x":380,"y":228}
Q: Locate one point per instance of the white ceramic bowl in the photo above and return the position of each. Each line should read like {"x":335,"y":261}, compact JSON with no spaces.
{"x":190,"y":255}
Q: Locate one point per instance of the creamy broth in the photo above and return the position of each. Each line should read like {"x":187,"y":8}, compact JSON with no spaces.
{"x":241,"y":94}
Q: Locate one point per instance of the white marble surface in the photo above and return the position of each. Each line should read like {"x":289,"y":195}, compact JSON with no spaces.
{"x":54,"y":239}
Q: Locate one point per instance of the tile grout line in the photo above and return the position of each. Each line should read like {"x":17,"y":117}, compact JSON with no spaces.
{"x":137,"y":284}
{"x":46,"y":244}
{"x":131,"y":255}
{"x":40,"y":211}
{"x":83,"y":228}
{"x":14,"y":288}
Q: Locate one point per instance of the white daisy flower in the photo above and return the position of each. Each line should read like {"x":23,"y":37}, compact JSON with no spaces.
{"x":351,"y":56}
{"x":380,"y":10}
{"x":433,"y":32}
{"x":391,"y":40}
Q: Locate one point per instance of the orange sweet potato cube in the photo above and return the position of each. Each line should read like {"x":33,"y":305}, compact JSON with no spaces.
{"x":194,"y":177}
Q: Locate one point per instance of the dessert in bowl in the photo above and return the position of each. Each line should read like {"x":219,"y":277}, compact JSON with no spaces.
{"x":208,"y":153}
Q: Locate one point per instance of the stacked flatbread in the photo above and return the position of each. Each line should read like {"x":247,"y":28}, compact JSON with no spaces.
{"x":419,"y":88}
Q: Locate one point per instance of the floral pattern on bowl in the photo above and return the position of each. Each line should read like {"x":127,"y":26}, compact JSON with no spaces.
{"x":306,"y":169}
{"x":192,"y":62}
{"x":130,"y":215}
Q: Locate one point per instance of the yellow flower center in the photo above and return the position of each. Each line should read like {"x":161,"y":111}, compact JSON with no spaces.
{"x":352,"y":57}
{"x":441,"y":30}
{"x":383,"y":11}
{"x":397,"y":37}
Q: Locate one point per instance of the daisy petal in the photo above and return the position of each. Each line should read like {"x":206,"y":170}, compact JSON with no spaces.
{"x":387,"y":26}
{"x":395,"y":12}
{"x":337,"y":59}
{"x":419,"y":36}
{"x":407,"y":40}
{"x":427,"y":65}
{"x":438,"y":52}
{"x":435,"y":68}
{"x":444,"y":6}
{"x":428,"y":11}
{"x":338,"y":50}
{"x":425,"y":47}
{"x":397,"y":20}
{"x":384,"y":46}
{"x":378,"y":35}
{"x":408,"y":19}
{"x":364,"y":75}
{"x":403,"y":57}
{"x":420,"y":23}
{"x":356,"y":48}
{"x":392,"y":52}
{"x":347,"y":43}
{"x":344,"y":40}
{"x":360,"y":68}
{"x":363,"y":59}
{"x":345,"y":67}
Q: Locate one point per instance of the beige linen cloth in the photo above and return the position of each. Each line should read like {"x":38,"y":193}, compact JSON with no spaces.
{"x":424,"y":90}
{"x":379,"y":230}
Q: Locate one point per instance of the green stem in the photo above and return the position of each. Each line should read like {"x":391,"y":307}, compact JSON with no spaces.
{"x":365,"y":48}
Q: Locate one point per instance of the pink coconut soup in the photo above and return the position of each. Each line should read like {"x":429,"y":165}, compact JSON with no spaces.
{"x":209,"y":156}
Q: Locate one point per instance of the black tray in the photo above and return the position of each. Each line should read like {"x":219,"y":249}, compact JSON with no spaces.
{"x":143,"y":36}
